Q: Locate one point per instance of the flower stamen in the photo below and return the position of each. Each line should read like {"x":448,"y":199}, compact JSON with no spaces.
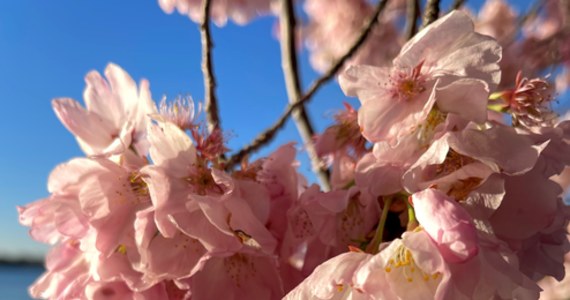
{"x":403,"y":261}
{"x":406,"y":84}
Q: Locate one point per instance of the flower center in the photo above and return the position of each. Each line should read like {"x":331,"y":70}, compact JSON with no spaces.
{"x":403,"y":262}
{"x":461,"y":189}
{"x":406,"y":84}
{"x":132,"y":190}
{"x":138,"y":186}
{"x":202,"y":181}
{"x":529,"y":103}
{"x":180,"y":112}
{"x":453,"y":162}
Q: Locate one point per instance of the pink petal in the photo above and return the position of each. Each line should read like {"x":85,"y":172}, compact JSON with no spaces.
{"x":331,"y":278}
{"x":466,"y":97}
{"x":166,"y":258}
{"x":124,"y":87}
{"x":459,"y":50}
{"x":100,"y":100}
{"x":379,"y":179}
{"x":171,"y":148}
{"x":447,"y":223}
{"x":383,"y":117}
{"x":516,"y":155}
{"x":87,"y":126}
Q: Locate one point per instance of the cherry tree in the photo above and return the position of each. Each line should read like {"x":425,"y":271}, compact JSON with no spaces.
{"x":446,"y":182}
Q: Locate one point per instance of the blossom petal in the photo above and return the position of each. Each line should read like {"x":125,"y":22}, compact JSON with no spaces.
{"x":465,"y":97}
{"x":85,"y":125}
{"x":447,"y":223}
{"x":451,"y":44}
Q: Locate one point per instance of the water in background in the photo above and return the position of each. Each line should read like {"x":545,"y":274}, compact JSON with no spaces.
{"x":15,"y":280}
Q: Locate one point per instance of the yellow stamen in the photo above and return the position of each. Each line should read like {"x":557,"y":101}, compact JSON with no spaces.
{"x":122,"y":249}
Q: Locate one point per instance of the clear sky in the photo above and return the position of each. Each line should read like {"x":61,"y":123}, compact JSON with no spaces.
{"x":46,"y":48}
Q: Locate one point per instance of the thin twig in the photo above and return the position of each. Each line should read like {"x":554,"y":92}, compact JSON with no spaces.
{"x":265,"y":137}
{"x":211,"y":104}
{"x":357,"y":44}
{"x":268,"y":135}
{"x":457,"y":4}
{"x":412,"y":10}
{"x":289,"y":64}
{"x":532,"y":12}
{"x":431,"y":12}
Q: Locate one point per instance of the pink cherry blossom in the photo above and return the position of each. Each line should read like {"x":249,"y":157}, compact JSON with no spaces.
{"x":66,"y":275}
{"x":552,"y":20}
{"x":444,"y":185}
{"x":116,"y":115}
{"x":543,"y":253}
{"x":333,"y":279}
{"x":335,"y":24}
{"x":497,"y":19}
{"x":240,"y":12}
{"x":395,"y":101}
{"x":530,"y":197}
{"x":242,"y":275}
{"x":183,"y":259}
{"x":529,"y":102}
{"x":459,"y":161}
{"x":447,"y":223}
{"x":413,"y":268}
{"x":204,"y":203}
{"x":378,"y":178}
{"x":342,"y":144}
{"x":180,"y":112}
{"x":328,"y":223}
{"x":278,"y":174}
{"x":54,"y":219}
{"x":553,"y":288}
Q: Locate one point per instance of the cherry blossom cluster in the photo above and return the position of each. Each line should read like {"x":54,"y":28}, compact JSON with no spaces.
{"x":128,"y":228}
{"x":480,"y":216}
{"x":447,"y":180}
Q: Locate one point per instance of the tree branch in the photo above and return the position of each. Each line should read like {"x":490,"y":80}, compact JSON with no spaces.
{"x":412,"y":11}
{"x":457,"y":4}
{"x":431,"y":12}
{"x":357,"y":44}
{"x":267,"y":136}
{"x":211,"y":104}
{"x":293,"y":83}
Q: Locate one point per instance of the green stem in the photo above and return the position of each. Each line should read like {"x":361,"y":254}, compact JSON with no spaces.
{"x":411,"y":214}
{"x":373,"y":247}
{"x":412,"y":222}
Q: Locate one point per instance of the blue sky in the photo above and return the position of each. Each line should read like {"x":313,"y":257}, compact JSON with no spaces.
{"x":46,"y":48}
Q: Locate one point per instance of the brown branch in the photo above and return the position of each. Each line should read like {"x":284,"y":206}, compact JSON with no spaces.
{"x":357,"y":44}
{"x":431,"y":12}
{"x":211,"y":104}
{"x":457,"y":4}
{"x":412,"y":12}
{"x":268,"y":135}
{"x":265,"y":137}
{"x":532,"y":12}
{"x":289,"y":64}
